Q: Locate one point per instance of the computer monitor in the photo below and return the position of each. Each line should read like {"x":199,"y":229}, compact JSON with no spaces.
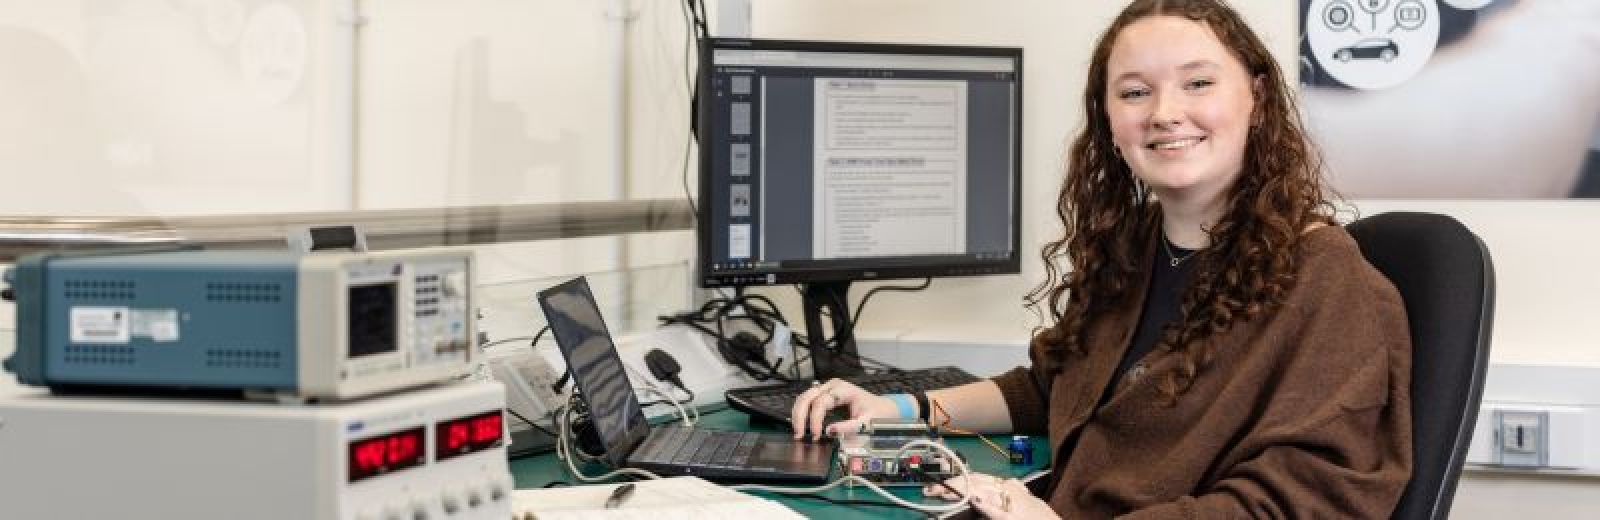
{"x":823,"y":163}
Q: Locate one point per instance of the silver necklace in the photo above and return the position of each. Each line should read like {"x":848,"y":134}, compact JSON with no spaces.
{"x":1175,"y":259}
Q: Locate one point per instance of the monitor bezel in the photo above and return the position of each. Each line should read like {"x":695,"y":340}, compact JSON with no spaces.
{"x":885,"y":268}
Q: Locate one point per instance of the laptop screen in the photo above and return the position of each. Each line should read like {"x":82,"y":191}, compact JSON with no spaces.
{"x":597,"y":371}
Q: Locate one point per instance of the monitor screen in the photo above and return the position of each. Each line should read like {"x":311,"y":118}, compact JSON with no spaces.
{"x":830,"y":161}
{"x":374,"y":319}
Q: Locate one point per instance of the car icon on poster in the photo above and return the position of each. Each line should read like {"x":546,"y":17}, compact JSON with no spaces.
{"x":1369,"y":49}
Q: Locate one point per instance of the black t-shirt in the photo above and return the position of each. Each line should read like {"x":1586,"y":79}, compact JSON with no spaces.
{"x":1163,"y":304}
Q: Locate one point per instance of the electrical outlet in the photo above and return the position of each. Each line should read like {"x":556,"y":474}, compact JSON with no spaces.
{"x":1522,"y":438}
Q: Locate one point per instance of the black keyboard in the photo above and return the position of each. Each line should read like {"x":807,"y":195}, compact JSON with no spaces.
{"x":775,"y":402}
{"x":692,"y":447}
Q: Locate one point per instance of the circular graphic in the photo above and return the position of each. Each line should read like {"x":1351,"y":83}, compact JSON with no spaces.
{"x":1468,"y":5}
{"x":1410,"y":15}
{"x":1338,"y":16}
{"x":1373,"y":6}
{"x":1375,"y":44}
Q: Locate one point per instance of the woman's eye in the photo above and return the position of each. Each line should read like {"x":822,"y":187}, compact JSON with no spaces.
{"x":1200,"y":83}
{"x":1132,"y":93}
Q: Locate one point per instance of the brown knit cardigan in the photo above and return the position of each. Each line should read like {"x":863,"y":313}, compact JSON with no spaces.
{"x":1303,"y":412}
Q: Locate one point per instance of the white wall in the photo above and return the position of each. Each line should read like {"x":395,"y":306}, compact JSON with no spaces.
{"x":153,"y":108}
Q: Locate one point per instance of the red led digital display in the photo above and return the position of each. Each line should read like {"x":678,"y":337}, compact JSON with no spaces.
{"x":467,"y":434}
{"x":386,"y":453}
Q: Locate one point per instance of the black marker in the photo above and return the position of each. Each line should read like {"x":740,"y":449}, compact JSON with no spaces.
{"x":619,"y":496}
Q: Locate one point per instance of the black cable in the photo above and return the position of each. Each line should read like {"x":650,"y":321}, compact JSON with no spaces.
{"x":690,"y":68}
{"x":685,"y":402}
{"x":561,"y":381}
{"x":534,"y":343}
{"x":762,"y":311}
{"x":700,"y":14}
{"x":506,"y":340}
{"x":926,"y":282}
{"x":538,"y":335}
{"x":531,"y":423}
{"x":768,"y":370}
{"x":925,"y":478}
{"x":711,"y":319}
{"x":886,"y":367}
{"x":850,"y":326}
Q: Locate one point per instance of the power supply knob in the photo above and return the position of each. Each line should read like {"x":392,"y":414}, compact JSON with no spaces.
{"x":419,"y":510}
{"x":452,"y":503}
{"x":455,"y":284}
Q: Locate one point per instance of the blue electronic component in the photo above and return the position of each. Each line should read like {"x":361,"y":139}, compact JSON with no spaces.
{"x":1021,"y":450}
{"x":269,"y":323}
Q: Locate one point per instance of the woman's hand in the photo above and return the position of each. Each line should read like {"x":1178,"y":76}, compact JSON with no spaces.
{"x":812,"y":405}
{"x":994,"y":497}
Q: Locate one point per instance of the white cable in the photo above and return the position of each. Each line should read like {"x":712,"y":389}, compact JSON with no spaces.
{"x":955,"y":459}
{"x":564,"y":450}
{"x":682,"y":414}
{"x":692,"y":408}
{"x":651,"y":386}
{"x":577,"y":451}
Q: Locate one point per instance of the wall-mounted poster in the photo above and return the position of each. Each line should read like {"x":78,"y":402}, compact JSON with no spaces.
{"x":1454,"y":98}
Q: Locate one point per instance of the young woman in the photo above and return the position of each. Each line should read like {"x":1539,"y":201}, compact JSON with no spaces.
{"x":1218,"y":348}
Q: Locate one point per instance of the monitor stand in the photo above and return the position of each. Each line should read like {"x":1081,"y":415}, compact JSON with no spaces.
{"x":841,"y":360}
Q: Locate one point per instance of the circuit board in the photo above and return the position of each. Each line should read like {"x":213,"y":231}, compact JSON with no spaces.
{"x":879,"y":454}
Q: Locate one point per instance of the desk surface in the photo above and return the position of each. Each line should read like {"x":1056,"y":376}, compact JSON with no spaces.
{"x":537,"y":471}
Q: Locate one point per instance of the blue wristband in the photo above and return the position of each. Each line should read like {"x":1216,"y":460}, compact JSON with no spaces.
{"x":903,"y":402}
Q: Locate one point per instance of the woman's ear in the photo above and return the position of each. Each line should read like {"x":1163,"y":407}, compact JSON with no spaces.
{"x":1258,"y":87}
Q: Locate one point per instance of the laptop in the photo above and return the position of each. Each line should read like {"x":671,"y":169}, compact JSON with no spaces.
{"x":630,"y":440}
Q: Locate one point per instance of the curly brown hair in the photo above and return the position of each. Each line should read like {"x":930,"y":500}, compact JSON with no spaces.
{"x":1110,"y":220}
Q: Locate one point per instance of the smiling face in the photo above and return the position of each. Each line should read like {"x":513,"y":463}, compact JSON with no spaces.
{"x":1180,"y":106}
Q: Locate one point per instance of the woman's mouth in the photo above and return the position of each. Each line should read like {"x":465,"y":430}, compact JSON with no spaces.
{"x":1182,"y":143}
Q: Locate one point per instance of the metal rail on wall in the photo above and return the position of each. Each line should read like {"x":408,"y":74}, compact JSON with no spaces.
{"x":384,"y":229}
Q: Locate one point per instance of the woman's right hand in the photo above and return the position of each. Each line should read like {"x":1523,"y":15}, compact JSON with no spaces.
{"x":812,"y":405}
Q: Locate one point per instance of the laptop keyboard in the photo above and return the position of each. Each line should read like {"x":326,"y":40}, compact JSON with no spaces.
{"x":775,"y":402}
{"x":691,"y":447}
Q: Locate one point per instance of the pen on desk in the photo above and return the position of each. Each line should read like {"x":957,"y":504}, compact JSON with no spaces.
{"x":619,"y":496}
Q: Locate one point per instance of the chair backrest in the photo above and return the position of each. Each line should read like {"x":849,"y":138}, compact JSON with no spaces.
{"x":1446,"y":279}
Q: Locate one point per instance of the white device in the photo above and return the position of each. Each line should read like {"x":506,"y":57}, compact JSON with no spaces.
{"x":433,"y":453}
{"x":529,"y":376}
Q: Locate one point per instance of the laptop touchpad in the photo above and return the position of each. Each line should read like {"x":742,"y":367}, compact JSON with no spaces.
{"x":783,"y":453}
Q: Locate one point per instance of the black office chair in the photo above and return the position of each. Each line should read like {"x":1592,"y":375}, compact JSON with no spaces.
{"x":1446,"y":279}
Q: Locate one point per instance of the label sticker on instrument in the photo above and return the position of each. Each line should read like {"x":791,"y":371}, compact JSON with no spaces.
{"x":99,"y":324}
{"x":160,"y":325}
